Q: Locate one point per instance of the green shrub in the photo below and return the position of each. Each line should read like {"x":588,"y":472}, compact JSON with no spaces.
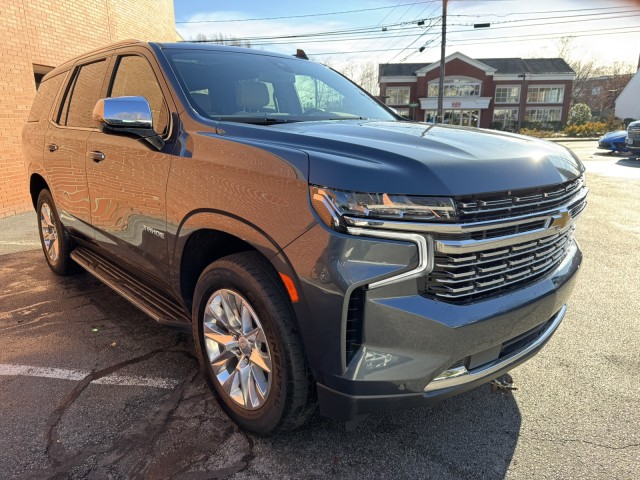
{"x":579,"y":114}
{"x":590,"y":129}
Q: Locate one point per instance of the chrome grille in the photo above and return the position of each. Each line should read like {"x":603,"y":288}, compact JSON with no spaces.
{"x":521,"y":202}
{"x":634,"y":132}
{"x":468,"y":276}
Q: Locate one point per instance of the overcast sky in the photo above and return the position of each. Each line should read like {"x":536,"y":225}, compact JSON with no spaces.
{"x":387,"y":30}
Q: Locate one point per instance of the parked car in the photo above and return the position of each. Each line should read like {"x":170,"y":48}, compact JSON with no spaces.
{"x":322,"y":250}
{"x":614,"y":141}
{"x":633,"y":137}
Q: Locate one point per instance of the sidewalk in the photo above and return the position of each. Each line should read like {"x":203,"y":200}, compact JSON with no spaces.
{"x":19,"y":233}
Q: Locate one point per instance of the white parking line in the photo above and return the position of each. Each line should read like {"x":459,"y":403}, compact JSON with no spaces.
{"x":76,"y":375}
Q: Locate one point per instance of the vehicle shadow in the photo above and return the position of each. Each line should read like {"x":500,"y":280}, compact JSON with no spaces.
{"x":611,"y":154}
{"x":633,"y":162}
{"x":472,"y":435}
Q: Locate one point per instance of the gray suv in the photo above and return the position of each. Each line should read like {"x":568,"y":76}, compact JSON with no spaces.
{"x":323,"y":250}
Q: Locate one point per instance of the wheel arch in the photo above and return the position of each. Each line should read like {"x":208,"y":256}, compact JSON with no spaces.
{"x":36,"y":184}
{"x":207,"y":235}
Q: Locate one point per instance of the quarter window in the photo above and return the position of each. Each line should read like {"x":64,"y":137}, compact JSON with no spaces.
{"x":545,"y":95}
{"x":507,"y":94}
{"x":134,"y":77}
{"x":82,"y":96}
{"x":397,"y":95}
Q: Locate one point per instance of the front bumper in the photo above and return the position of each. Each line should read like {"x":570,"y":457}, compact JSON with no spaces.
{"x":409,"y":340}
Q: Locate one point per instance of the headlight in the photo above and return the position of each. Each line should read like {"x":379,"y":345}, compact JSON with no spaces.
{"x":336,"y":207}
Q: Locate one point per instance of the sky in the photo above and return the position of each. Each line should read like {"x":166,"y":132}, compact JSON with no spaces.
{"x":388,"y":31}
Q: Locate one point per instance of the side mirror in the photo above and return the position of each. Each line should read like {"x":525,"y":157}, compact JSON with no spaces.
{"x":127,"y":115}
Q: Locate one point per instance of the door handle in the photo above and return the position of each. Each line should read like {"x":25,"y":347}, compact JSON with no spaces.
{"x":97,"y":156}
{"x":53,"y":147}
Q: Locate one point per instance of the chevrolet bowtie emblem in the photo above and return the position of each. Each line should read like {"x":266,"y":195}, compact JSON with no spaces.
{"x":561,"y":220}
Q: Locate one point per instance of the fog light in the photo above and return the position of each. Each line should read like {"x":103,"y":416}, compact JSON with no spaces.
{"x":451,"y":373}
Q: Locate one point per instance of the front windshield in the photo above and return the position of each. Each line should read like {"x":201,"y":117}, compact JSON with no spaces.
{"x":258,"y":88}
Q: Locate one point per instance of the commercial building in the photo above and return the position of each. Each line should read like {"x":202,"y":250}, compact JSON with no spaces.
{"x":487,"y":92}
{"x":38,"y":35}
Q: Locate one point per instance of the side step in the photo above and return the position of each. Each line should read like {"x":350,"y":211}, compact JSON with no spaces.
{"x":146,"y":298}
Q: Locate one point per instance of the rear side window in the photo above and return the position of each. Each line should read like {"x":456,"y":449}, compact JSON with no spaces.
{"x":135,"y":77}
{"x":82,"y":96}
{"x":47,"y":92}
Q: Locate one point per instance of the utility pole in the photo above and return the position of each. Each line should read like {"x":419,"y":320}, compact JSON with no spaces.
{"x":440,"y":115}
{"x":523,"y":100}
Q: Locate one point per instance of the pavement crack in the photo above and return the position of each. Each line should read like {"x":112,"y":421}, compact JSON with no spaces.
{"x":54,"y":450}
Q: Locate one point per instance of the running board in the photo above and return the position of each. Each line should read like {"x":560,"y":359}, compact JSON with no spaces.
{"x":146,"y":298}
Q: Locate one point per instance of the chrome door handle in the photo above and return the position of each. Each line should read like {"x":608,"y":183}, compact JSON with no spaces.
{"x":53,"y":147}
{"x":97,"y":156}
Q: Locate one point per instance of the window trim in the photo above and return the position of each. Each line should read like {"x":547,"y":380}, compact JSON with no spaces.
{"x":539,"y":86}
{"x":517,"y":102}
{"x":399,"y":88}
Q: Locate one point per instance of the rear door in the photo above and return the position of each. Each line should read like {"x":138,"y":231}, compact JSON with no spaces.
{"x":66,"y":143}
{"x":127,"y":176}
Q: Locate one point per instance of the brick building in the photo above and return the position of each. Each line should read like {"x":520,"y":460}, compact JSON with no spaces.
{"x":40,"y":34}
{"x":482,"y":93}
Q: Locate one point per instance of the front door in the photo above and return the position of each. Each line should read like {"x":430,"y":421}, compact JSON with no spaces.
{"x":127,"y":176}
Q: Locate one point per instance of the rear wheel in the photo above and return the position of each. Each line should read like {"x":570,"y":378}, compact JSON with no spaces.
{"x":55,"y":240}
{"x":248,"y":345}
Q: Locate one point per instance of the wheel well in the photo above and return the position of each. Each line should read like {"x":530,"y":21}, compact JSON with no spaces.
{"x":36,"y":185}
{"x":203,"y":248}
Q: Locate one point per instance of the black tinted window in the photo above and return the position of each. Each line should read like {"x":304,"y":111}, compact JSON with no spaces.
{"x":83,"y":95}
{"x":135,"y":77}
{"x":41,"y":107}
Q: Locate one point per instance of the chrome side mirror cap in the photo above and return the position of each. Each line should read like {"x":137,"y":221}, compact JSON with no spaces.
{"x":124,"y":112}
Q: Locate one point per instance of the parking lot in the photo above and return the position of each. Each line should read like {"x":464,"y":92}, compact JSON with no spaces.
{"x":90,"y":387}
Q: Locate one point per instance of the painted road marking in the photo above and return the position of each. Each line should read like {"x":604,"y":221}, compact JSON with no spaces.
{"x":77,"y":375}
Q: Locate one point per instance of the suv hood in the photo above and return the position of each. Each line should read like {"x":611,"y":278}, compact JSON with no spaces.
{"x":424,"y":159}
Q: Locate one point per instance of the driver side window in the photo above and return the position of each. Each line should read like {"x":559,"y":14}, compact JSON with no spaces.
{"x":134,"y":77}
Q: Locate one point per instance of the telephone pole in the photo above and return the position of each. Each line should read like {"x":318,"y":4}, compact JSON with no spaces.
{"x":440,"y":115}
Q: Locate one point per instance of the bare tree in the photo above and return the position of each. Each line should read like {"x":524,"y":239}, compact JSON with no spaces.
{"x":222,"y":40}
{"x":364,"y":74}
{"x":585,"y":69}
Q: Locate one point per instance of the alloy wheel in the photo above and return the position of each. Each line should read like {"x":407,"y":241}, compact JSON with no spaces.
{"x":49,"y":233}
{"x":237,"y":349}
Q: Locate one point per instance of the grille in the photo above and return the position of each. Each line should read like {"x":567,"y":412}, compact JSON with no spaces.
{"x":465,"y":277}
{"x":521,"y":202}
{"x":634,"y":132}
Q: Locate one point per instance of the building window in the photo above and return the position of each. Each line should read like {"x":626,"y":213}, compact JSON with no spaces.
{"x":596,"y":90}
{"x":507,"y":95}
{"x":455,"y":87}
{"x":398,"y":95}
{"x":543,"y":115}
{"x":545,"y":95}
{"x":465,"y":118}
{"x":402,"y":111}
{"x":505,"y":119}
{"x":39,"y":71}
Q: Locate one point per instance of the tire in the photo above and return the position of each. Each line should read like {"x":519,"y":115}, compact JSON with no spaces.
{"x":54,"y":238}
{"x":255,"y":367}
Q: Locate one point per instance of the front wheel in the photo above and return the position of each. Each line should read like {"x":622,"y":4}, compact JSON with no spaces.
{"x":249,"y":347}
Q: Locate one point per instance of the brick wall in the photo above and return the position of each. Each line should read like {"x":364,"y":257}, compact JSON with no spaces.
{"x":48,"y":32}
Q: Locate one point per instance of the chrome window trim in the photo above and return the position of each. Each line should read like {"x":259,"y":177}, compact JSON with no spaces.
{"x":458,"y":228}
{"x":492,"y":368}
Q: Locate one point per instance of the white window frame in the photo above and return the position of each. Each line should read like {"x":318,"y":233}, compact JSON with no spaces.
{"x":507,"y":102}
{"x":503,"y":120}
{"x":542,"y":87}
{"x":547,"y":109}
{"x":452,"y":81}
{"x":399,"y":89}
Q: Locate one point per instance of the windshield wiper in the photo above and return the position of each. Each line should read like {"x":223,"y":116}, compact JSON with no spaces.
{"x":255,"y":120}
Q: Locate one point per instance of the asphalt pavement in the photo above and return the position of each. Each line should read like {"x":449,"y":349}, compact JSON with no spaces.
{"x":92,"y":388}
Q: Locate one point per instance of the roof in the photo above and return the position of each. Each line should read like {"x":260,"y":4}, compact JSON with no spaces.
{"x":502,"y":65}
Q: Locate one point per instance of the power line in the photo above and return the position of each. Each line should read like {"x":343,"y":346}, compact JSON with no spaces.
{"x":302,"y":16}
